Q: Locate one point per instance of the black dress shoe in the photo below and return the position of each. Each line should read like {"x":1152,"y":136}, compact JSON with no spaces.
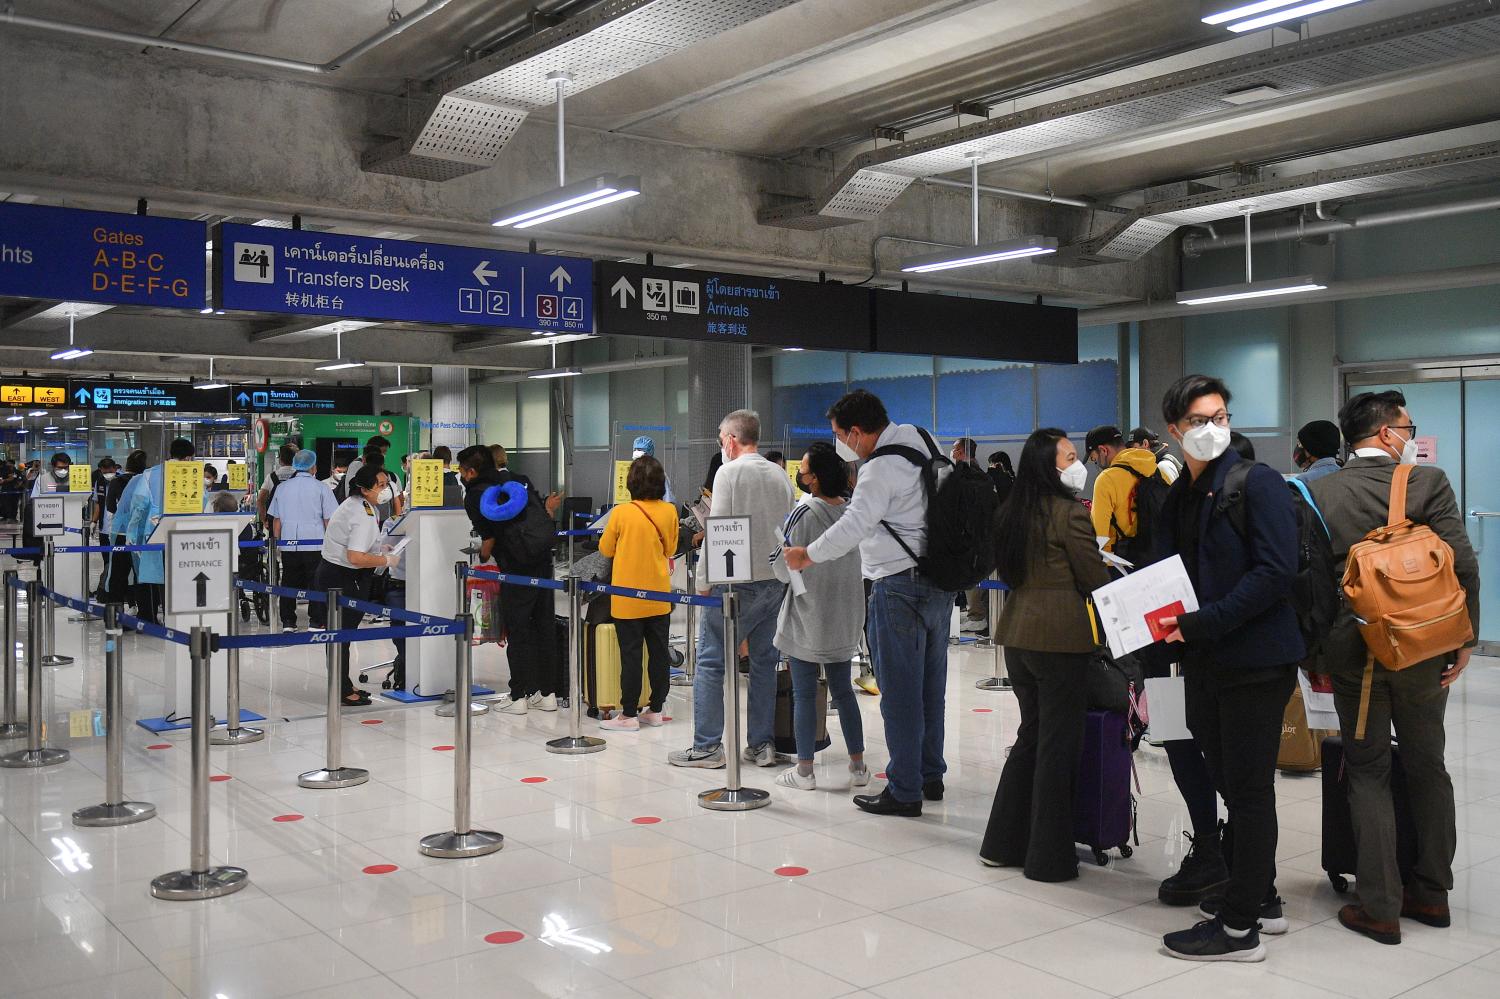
{"x":885,"y":803}
{"x":933,"y":790}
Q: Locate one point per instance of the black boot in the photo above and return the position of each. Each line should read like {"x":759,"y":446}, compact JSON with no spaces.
{"x":1203,"y":873}
{"x":886,"y":803}
{"x":933,"y":790}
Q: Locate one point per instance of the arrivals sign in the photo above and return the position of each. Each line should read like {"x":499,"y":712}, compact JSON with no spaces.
{"x":300,"y":399}
{"x":72,"y":255}
{"x":365,"y":277}
{"x":731,"y":308}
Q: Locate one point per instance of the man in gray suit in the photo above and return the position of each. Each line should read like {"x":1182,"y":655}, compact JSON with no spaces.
{"x":1354,"y":501}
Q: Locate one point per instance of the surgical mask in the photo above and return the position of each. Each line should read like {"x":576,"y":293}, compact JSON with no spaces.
{"x":724,"y":454}
{"x":385,"y":495}
{"x":109,"y":476}
{"x":1207,"y":442}
{"x":1075,"y":476}
{"x":637,"y":454}
{"x":209,"y":483}
{"x":337,"y":475}
{"x":61,"y":473}
{"x":1409,"y":452}
{"x":845,"y":451}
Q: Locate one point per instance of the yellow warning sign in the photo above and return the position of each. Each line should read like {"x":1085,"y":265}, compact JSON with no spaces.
{"x":80,"y":478}
{"x":15,"y":395}
{"x":183,"y":483}
{"x":427,"y":482}
{"x":792,"y":468}
{"x":622,"y":472}
{"x":239,"y":476}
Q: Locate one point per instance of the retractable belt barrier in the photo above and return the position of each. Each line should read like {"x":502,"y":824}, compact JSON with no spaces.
{"x":340,"y":637}
{"x":17,"y":552}
{"x":251,"y":586}
{"x":126,"y":620}
{"x":76,"y":549}
{"x":538,"y":582}
{"x":994,"y":584}
{"x":586,"y":532}
{"x":673,"y":597}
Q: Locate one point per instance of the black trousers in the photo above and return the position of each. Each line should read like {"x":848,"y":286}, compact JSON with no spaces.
{"x":631,"y":631}
{"x":1238,"y":728}
{"x":531,"y":647}
{"x":1031,"y":821}
{"x":350,"y":583}
{"x":298,"y":570}
{"x":119,"y":579}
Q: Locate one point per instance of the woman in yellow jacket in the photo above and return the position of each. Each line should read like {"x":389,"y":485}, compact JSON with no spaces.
{"x":641,"y":537}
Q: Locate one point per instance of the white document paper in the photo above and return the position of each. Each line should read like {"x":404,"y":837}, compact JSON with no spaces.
{"x":798,"y":584}
{"x":1110,"y":558}
{"x":1166,"y":707}
{"x":1126,"y":605}
{"x":1321,"y":712}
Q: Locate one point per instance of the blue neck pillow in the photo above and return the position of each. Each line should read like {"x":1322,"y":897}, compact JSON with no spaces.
{"x":503,"y":502}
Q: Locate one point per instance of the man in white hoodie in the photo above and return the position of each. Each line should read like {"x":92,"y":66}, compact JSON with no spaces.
{"x":746,"y":485}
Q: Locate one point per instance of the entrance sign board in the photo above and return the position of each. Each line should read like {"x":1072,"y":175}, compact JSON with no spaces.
{"x":199,"y":580}
{"x":726,"y":550}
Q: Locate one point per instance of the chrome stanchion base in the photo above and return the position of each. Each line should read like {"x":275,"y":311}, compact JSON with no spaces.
{"x":451,"y":845}
{"x":235,"y":736}
{"x":447,"y":708}
{"x":83,"y":618}
{"x":1001,"y":683}
{"x":724,"y":800}
{"x":13,"y":730}
{"x":29,"y":759}
{"x":685,"y":680}
{"x":342,"y":777}
{"x":52,"y":659}
{"x":122,"y":814}
{"x":569,"y":746}
{"x":190,"y":886}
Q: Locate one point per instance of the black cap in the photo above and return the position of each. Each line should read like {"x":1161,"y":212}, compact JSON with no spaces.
{"x":1101,"y":435}
{"x":1320,"y":438}
{"x":1144,"y":435}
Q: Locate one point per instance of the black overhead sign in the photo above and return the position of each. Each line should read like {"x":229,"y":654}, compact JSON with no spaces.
{"x":948,"y":326}
{"x":730,"y":308}
{"x":341,"y":400}
{"x":142,"y":396}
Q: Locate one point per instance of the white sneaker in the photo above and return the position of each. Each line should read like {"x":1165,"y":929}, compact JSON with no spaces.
{"x":972,"y":624}
{"x":791,"y":778}
{"x":653,"y":719}
{"x":761,"y":756}
{"x":860,"y":777}
{"x":541,"y":702}
{"x":621,"y":723}
{"x":514,"y":707}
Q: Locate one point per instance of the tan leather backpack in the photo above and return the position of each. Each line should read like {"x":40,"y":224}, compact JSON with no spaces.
{"x":1406,"y":598}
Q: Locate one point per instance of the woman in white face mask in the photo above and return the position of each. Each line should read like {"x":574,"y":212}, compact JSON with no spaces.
{"x":1073,"y":473}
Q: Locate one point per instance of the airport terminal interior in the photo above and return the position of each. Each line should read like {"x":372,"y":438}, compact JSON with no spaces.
{"x":355,"y":355}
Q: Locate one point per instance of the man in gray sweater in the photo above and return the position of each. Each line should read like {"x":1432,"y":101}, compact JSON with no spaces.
{"x":746,"y":485}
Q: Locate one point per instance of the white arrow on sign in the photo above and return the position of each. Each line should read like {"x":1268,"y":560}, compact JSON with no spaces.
{"x":561,"y":278}
{"x":625,"y":290}
{"x":483,"y":272}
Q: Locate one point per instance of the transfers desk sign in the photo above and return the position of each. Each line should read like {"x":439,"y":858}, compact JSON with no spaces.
{"x":71,"y":255}
{"x":365,"y":277}
{"x":199,"y":580}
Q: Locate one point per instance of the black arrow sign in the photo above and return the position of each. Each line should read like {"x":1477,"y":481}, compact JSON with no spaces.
{"x":729,"y":563}
{"x":202,"y":580}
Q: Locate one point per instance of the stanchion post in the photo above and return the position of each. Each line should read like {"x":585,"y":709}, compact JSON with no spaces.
{"x":233,"y":734}
{"x":115,"y":811}
{"x":50,"y":657}
{"x":83,"y":565}
{"x":9,"y":727}
{"x":690,"y":660}
{"x":201,"y":879}
{"x":449,"y":704}
{"x":1000,"y":681}
{"x":35,"y":754}
{"x":732,"y":797}
{"x":575,"y":743}
{"x":334,"y":774}
{"x":464,"y":840}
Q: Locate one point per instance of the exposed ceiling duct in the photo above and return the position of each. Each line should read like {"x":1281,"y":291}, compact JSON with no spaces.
{"x":873,"y":180}
{"x":1137,"y":234}
{"x":482,"y":105}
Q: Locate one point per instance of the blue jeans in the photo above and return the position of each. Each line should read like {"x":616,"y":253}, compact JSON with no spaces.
{"x":805,"y":706}
{"x":908,"y":630}
{"x":759,"y":603}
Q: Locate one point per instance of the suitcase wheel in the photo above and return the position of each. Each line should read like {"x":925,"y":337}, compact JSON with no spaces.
{"x":1126,"y":851}
{"x":1100,"y":857}
{"x":364,"y":678}
{"x":1339,"y":882}
{"x":676,"y":657}
{"x":244,"y":610}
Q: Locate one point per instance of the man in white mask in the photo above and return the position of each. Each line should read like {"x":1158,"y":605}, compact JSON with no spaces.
{"x":1239,"y":652}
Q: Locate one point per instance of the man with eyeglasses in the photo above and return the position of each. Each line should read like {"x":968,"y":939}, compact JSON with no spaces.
{"x":1354,"y":501}
{"x":1239,"y":651}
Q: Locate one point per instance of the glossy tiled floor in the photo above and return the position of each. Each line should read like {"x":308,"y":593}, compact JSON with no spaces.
{"x":614,"y":883}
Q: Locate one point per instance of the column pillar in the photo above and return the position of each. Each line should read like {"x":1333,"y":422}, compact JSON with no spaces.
{"x":450,"y":406}
{"x":718,"y":384}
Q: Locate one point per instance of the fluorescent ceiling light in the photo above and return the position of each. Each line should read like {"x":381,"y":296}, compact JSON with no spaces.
{"x":339,"y":365}
{"x":37,"y":412}
{"x":228,"y":419}
{"x":23,"y":430}
{"x":792,"y":350}
{"x":1250,"y":95}
{"x":542,"y":338}
{"x":556,"y":373}
{"x":1235,"y":11}
{"x":339,"y":362}
{"x":570,"y":200}
{"x":72,"y":353}
{"x":75,"y":416}
{"x":75,"y":310}
{"x":341,"y":326}
{"x":51,"y":430}
{"x":1250,"y":289}
{"x":970,"y":256}
{"x":400,"y":390}
{"x":13,"y":419}
{"x":1264,"y":13}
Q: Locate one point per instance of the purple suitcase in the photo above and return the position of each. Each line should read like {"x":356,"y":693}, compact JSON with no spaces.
{"x":1104,"y":809}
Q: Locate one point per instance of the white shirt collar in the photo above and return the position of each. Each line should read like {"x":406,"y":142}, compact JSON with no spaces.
{"x":1372,"y":452}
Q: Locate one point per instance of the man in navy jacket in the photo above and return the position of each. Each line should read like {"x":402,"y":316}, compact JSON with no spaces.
{"x":1240,"y":655}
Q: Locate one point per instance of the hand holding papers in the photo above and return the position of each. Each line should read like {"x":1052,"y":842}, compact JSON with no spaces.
{"x":1132,"y":610}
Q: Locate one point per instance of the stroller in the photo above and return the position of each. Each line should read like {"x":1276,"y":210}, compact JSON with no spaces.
{"x":252,"y":567}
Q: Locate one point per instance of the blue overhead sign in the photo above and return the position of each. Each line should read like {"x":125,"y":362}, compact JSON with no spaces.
{"x":77,"y":256}
{"x":300,"y":399}
{"x":363,"y":277}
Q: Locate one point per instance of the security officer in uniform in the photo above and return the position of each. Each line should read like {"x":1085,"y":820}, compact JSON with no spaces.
{"x":300,"y":510}
{"x":350,"y":545}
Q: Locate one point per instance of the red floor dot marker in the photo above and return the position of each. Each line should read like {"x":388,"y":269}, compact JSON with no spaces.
{"x":666,"y":718}
{"x":983,"y":711}
{"x":646,"y":820}
{"x":442,"y":749}
{"x":292,"y":817}
{"x":790,"y":872}
{"x":381,"y":869}
{"x":533,"y":780}
{"x":880,"y":776}
{"x":504,"y":937}
{"x":160,"y":745}
{"x":220,"y":778}
{"x":373,"y":721}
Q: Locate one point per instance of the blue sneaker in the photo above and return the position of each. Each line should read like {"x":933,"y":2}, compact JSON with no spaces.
{"x":1208,"y":941}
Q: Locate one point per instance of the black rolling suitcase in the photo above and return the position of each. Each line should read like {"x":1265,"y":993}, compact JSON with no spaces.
{"x":1340,"y":856}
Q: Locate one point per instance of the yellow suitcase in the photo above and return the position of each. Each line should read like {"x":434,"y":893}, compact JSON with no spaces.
{"x":602,"y":677}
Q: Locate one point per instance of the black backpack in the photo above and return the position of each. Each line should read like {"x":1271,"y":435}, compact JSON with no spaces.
{"x":1315,"y":588}
{"x":526,"y":539}
{"x":960,"y":518}
{"x":1149,"y":495}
